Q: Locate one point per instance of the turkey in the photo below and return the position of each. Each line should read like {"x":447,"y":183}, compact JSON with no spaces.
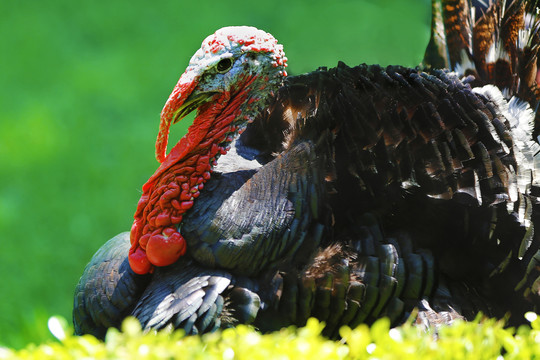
{"x":346,"y":194}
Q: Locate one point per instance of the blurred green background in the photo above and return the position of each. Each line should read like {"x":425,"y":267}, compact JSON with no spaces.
{"x":82,"y":84}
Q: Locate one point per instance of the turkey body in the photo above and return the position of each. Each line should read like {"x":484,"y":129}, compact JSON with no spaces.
{"x":248,"y":218}
{"x":361,"y":192}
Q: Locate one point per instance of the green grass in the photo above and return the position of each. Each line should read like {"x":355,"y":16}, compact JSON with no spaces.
{"x":480,"y":339}
{"x":81,"y":88}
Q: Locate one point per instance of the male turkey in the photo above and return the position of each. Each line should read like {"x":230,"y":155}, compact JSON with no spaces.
{"x":351,"y":193}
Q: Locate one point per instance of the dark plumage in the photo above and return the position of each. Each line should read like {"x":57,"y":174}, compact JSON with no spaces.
{"x":358,"y":192}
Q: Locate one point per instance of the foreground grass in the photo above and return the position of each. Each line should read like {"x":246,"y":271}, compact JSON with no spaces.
{"x":481,"y":339}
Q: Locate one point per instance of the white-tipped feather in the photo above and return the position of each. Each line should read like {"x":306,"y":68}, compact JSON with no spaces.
{"x":465,"y":64}
{"x":497,"y":52}
{"x":521,"y":119}
{"x":523,"y":38}
{"x":477,"y":188}
{"x":527,"y":156}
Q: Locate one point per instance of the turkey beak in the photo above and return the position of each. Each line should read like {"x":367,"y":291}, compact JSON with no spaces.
{"x":193,"y":102}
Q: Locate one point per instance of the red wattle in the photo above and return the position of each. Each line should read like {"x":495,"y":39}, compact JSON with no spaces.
{"x":139,"y":262}
{"x":163,"y":250}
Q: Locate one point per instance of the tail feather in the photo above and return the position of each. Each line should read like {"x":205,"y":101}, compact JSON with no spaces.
{"x":496,"y":44}
{"x":493,"y":45}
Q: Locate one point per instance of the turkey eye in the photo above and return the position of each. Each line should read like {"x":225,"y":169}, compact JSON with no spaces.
{"x":224,"y":65}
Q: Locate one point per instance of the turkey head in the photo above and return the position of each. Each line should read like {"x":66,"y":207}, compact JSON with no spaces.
{"x":228,"y":80}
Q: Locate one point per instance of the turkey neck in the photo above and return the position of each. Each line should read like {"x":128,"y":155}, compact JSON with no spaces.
{"x":173,"y":188}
